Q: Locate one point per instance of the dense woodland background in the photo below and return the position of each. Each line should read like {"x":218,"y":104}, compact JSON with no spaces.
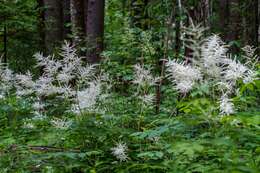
{"x":129,"y":86}
{"x":28,"y":26}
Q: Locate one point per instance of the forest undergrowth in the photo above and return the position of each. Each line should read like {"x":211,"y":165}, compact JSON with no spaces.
{"x":79,"y":117}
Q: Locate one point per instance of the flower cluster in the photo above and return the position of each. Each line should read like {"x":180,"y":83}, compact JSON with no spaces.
{"x":213,"y":51}
{"x":183,"y":76}
{"x":226,"y":106}
{"x":215,"y":66}
{"x":120,"y":151}
{"x":67,"y":77}
{"x":87,"y":98}
{"x":143,"y":77}
{"x":144,"y":80}
{"x":62,"y":124}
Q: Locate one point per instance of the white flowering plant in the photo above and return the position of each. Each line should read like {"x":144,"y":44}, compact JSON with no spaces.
{"x":215,"y":69}
{"x":75,"y":118}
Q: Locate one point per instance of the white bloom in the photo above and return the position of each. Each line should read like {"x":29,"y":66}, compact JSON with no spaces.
{"x":86,"y":72}
{"x":184,"y":86}
{"x":67,"y":91}
{"x":38,"y":116}
{"x":7,"y":75}
{"x":38,"y":106}
{"x":44,"y":86}
{"x":184,"y":76}
{"x":2,"y":96}
{"x":23,"y":92}
{"x":68,"y":52}
{"x":51,"y":66}
{"x":226,"y":106}
{"x":250,"y":76}
{"x":64,"y":77}
{"x":147,"y":99}
{"x":143,"y":76}
{"x":25,"y":80}
{"x":61,"y":123}
{"x":75,"y":109}
{"x":87,"y":98}
{"x":28,"y":125}
{"x":226,"y":86}
{"x":120,"y":151}
{"x":212,"y":52}
{"x":234,"y":70}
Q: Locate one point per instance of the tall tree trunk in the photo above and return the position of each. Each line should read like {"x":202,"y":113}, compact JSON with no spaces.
{"x":223,"y":17}
{"x":41,"y":26}
{"x":206,"y":13}
{"x":53,"y":23}
{"x":95,"y":28}
{"x":178,"y":22}
{"x":77,"y":19}
{"x":5,"y":43}
{"x":66,"y":18}
{"x":234,"y":24}
{"x":257,"y":29}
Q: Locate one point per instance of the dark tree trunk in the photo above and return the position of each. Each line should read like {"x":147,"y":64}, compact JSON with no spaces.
{"x":177,"y":18}
{"x":95,"y":29}
{"x":257,"y":29}
{"x":234,"y":23}
{"x":206,"y":12}
{"x":53,"y":23}
{"x":66,"y":18}
{"x":5,"y":44}
{"x":77,"y":19}
{"x":41,"y":25}
{"x":223,"y":17}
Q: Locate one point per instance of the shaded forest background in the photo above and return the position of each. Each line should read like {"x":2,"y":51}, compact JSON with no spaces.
{"x":29,"y":26}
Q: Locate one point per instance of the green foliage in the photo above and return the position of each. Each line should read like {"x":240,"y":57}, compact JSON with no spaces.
{"x":20,"y":19}
{"x":186,"y":136}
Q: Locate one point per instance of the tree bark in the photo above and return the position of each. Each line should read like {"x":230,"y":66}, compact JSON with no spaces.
{"x":41,"y":26}
{"x":66,"y":18}
{"x":95,"y":29}
{"x":257,"y":29}
{"x":53,"y":23}
{"x":5,"y":44}
{"x":223,"y":17}
{"x":77,"y":20}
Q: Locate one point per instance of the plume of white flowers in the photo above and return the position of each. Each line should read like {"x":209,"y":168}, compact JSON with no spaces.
{"x":234,"y":70}
{"x":24,"y":84}
{"x":25,"y":80}
{"x":120,"y":151}
{"x":147,"y":99}
{"x":44,"y":86}
{"x":39,"y":116}
{"x":61,"y":123}
{"x":6,"y":78}
{"x":143,"y":77}
{"x":87,"y":72}
{"x":213,"y":51}
{"x":28,"y":125}
{"x":87,"y":98}
{"x":183,"y":76}
{"x":226,"y":106}
{"x":192,"y":38}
